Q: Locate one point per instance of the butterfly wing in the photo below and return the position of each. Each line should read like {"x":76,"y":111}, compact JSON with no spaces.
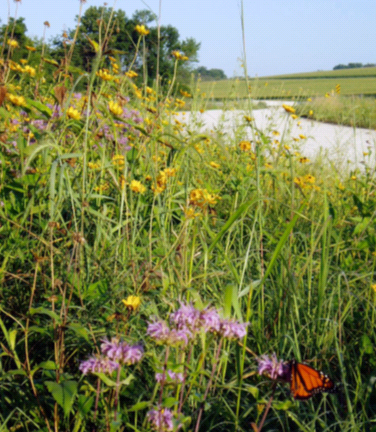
{"x":307,"y":381}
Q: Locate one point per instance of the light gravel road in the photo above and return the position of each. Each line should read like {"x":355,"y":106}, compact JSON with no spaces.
{"x":344,"y":147}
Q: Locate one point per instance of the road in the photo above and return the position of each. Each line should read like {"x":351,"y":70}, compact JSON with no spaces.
{"x":344,"y":147}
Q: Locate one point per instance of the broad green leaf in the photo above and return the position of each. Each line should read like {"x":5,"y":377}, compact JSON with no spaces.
{"x":40,"y":107}
{"x":84,"y":404}
{"x":44,"y":311}
{"x":139,"y":406}
{"x":64,"y":393}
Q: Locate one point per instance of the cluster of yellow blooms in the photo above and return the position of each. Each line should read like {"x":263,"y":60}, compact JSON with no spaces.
{"x":179,"y":56}
{"x":161,"y":180}
{"x":73,"y":113}
{"x":16,"y":100}
{"x":142,"y":30}
{"x":105,"y":75}
{"x":307,"y":181}
{"x":202,"y":198}
{"x":245,"y":146}
{"x":115,"y":108}
{"x":18,"y":68}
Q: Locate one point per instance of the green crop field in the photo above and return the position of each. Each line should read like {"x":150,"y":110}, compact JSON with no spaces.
{"x":360,"y":81}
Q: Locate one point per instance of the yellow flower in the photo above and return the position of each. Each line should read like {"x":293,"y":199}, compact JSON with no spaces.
{"x":275,"y":133}
{"x":214,"y":165}
{"x":190,"y":213}
{"x":142,"y":30}
{"x":115,"y":108}
{"x":309,"y":100}
{"x":177,"y":54}
{"x":248,"y":118}
{"x":185,"y":93}
{"x":302,"y":136}
{"x":310,"y":113}
{"x":201,"y":198}
{"x":137,"y":187}
{"x":30,"y":48}
{"x":294,"y":116}
{"x":16,"y":100}
{"x":30,"y":70}
{"x":169,"y":172}
{"x":73,"y":113}
{"x":132,"y":302}
{"x":245,"y":146}
{"x":118,"y":160}
{"x":288,"y":108}
{"x":13,"y":43}
{"x":309,"y":178}
{"x":303,"y":160}
{"x":93,"y":165}
{"x":102,"y":73}
{"x":373,"y":286}
{"x":131,"y":74}
{"x":353,"y":177}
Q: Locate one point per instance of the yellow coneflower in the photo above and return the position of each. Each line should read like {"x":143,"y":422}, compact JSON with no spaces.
{"x":73,"y":113}
{"x":288,"y":108}
{"x":245,"y":146}
{"x":137,"y":187}
{"x":142,"y":30}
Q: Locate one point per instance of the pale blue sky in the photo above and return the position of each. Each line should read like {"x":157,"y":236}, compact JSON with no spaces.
{"x":282,"y":36}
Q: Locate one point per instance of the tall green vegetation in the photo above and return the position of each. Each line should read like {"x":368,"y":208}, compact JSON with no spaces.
{"x":148,"y":264}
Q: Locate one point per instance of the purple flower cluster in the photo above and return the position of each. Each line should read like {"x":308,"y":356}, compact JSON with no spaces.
{"x":169,"y":377}
{"x":114,"y":354}
{"x":122,"y":128}
{"x":188,"y":321}
{"x":98,"y":364}
{"x":161,"y":419}
{"x":271,"y":367}
{"x":122,"y":352}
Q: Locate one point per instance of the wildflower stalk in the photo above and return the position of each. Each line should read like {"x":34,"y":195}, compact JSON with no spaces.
{"x":267,"y":408}
{"x":173,"y":79}
{"x":181,"y":399}
{"x":164,"y":374}
{"x":209,"y":384}
{"x":97,"y":399}
{"x":117,"y":392}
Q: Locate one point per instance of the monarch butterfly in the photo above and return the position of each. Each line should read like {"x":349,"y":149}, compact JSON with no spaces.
{"x":305,"y":381}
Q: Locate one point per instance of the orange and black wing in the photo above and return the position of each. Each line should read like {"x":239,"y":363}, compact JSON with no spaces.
{"x":307,"y":381}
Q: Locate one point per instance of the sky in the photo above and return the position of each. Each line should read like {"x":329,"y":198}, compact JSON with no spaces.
{"x":281,"y":36}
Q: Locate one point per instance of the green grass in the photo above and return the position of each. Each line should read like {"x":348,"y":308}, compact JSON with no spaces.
{"x":349,"y":111}
{"x":295,"y":86}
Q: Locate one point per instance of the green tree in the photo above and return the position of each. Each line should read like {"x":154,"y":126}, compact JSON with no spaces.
{"x":118,"y":37}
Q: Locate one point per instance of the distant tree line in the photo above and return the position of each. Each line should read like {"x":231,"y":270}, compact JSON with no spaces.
{"x":353,"y":66}
{"x":209,"y":74}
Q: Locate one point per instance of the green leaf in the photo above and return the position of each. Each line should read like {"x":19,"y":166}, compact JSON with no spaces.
{"x":40,"y":107}
{"x":169,"y":402}
{"x":283,"y":406}
{"x":367,"y":344}
{"x":281,"y":243}
{"x":64,"y":393}
{"x":44,"y":311}
{"x":109,"y":382}
{"x":139,"y":406}
{"x":254,"y":391}
{"x":84,"y":404}
{"x":48,"y":365}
